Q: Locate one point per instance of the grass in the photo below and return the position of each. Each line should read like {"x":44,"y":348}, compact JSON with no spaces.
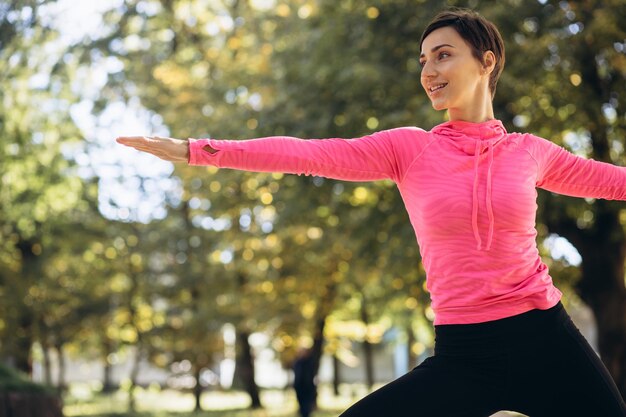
{"x":81,"y":401}
{"x":230,"y":413}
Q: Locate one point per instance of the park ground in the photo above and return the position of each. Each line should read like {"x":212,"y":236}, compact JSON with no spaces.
{"x":81,"y":401}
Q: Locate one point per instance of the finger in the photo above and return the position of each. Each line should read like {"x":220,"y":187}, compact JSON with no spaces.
{"x":163,"y":148}
{"x":139,"y":144}
{"x":132,"y":140}
{"x":139,"y":147}
{"x":128,"y":139}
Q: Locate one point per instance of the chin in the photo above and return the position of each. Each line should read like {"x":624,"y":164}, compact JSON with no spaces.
{"x":438,"y":106}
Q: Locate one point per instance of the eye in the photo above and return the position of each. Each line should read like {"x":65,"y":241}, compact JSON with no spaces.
{"x":443,"y":55}
{"x":422,"y":63}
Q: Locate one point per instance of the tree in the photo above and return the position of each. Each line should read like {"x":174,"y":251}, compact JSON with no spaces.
{"x":39,"y":193}
{"x":574,"y":49}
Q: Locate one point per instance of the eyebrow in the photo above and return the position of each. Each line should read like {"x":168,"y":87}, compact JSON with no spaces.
{"x":436,"y":48}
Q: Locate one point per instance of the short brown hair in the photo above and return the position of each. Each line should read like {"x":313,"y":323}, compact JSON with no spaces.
{"x":478,"y":32}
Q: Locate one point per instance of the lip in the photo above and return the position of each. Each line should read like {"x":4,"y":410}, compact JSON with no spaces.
{"x":432,"y":92}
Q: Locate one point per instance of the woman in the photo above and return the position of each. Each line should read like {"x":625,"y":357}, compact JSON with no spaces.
{"x":503,"y":339}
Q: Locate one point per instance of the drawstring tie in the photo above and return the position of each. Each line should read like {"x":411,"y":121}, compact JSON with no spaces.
{"x":488,"y":198}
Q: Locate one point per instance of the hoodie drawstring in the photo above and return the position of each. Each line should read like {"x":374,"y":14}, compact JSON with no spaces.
{"x":489,"y":206}
{"x":475,"y":198}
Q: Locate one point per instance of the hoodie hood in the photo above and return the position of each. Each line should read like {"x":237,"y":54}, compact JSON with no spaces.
{"x":477,"y":140}
{"x":465,"y":135}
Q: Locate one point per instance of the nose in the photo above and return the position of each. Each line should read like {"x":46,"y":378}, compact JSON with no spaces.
{"x":428,"y":70}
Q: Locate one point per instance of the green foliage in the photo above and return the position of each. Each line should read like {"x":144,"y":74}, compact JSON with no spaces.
{"x":40,"y":198}
{"x":13,"y":381}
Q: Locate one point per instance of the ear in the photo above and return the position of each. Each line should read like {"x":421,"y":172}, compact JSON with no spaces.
{"x":489,"y":62}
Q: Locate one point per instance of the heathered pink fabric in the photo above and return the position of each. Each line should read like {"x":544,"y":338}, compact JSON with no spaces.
{"x":470,"y":191}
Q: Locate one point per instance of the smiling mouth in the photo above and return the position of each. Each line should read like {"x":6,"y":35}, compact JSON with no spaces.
{"x":437,"y":87}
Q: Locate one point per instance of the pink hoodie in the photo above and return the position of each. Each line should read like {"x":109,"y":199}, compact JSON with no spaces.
{"x":469,"y":189}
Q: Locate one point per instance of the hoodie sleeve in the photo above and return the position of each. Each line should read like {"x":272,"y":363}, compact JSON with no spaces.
{"x":368,"y":158}
{"x":562,"y":172}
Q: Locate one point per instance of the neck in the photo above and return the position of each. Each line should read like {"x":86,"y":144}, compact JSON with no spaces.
{"x":479,"y":111}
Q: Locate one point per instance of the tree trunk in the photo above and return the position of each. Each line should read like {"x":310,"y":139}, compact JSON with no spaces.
{"x":24,"y":335}
{"x":47,"y":372}
{"x":197,"y":389}
{"x":24,"y":342}
{"x":134,"y":373}
{"x":245,"y":368}
{"x":336,"y":374}
{"x":61,"y":383}
{"x":107,"y":383}
{"x":367,"y":349}
{"x":410,"y":342}
{"x":318,"y":343}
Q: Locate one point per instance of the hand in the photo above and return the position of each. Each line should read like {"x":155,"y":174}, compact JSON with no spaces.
{"x":169,"y":149}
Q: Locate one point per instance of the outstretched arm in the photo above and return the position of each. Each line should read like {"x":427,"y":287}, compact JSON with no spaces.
{"x":565,"y":173}
{"x":371,"y":157}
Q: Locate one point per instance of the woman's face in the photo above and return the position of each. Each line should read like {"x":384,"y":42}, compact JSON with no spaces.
{"x":451,"y":76}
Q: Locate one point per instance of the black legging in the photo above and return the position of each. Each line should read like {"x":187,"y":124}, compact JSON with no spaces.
{"x":536,"y":363}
